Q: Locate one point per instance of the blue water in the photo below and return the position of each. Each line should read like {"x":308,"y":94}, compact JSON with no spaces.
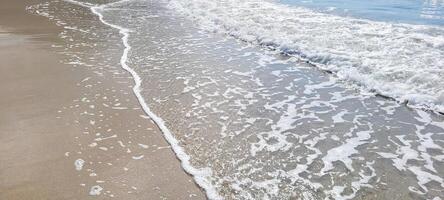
{"x":430,"y":12}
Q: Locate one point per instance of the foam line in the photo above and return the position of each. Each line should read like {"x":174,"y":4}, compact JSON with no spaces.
{"x":199,"y":175}
{"x":400,"y":61}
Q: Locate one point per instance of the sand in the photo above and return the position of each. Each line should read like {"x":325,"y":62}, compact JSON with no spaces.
{"x":46,"y":125}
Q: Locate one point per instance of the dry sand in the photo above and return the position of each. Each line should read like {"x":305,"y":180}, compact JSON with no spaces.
{"x":45,"y":126}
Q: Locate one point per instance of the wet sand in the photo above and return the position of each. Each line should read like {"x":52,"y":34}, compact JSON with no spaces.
{"x":49,"y":120}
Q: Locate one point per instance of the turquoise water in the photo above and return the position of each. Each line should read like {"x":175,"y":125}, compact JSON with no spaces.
{"x":430,"y":12}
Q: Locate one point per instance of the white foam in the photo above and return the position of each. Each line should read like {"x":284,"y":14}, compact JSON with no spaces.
{"x":344,"y":152}
{"x":138,"y":157}
{"x":143,"y":146}
{"x":79,"y":164}
{"x":338,"y":117}
{"x":95,"y":190}
{"x":397,"y":60}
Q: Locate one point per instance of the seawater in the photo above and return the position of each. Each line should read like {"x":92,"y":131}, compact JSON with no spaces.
{"x":427,"y":12}
{"x":253,"y":116}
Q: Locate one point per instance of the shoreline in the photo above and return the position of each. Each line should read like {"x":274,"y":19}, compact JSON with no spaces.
{"x":91,"y":92}
{"x":198,"y":174}
{"x":46,"y":132}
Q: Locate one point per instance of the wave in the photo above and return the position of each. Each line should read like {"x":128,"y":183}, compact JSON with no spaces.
{"x":401,"y":61}
{"x":200,"y":175}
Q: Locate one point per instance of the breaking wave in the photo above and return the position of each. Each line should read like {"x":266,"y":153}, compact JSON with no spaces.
{"x":401,"y":61}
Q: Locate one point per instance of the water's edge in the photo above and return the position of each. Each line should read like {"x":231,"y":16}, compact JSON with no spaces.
{"x":199,"y":175}
{"x":226,"y":105}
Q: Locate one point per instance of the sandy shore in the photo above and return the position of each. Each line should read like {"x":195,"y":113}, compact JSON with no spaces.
{"x":49,"y":121}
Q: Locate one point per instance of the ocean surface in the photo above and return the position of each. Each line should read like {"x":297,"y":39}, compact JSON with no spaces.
{"x":426,"y":12}
{"x":279,"y":99}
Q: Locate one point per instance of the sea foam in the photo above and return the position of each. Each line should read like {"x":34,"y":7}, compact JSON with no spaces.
{"x":401,"y":61}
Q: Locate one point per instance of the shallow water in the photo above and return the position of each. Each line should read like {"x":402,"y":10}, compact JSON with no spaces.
{"x":259,"y":124}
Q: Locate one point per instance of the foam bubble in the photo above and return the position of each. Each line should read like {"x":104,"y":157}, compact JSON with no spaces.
{"x":79,"y":164}
{"x":95,"y":190}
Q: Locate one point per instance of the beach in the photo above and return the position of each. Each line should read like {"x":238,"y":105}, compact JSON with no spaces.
{"x":208,"y":99}
{"x":44,"y":129}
